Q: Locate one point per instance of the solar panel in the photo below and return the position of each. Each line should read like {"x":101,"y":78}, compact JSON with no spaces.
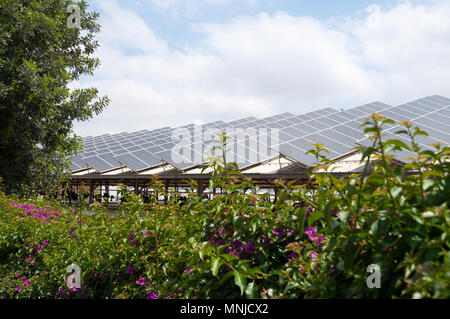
{"x":297,"y":154}
{"x":131,"y":161}
{"x":98,"y":164}
{"x":348,"y":131}
{"x":330,"y":145}
{"x":175,"y":159}
{"x":147,"y":158}
{"x":110,"y":159}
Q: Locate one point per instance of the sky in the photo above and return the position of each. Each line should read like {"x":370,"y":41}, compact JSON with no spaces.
{"x":175,"y":62}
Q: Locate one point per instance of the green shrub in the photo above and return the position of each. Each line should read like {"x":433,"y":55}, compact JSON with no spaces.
{"x":314,"y":241}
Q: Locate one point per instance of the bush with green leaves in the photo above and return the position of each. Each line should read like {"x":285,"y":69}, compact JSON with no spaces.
{"x":314,"y":241}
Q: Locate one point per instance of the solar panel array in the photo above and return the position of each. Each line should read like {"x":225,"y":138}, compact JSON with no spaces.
{"x":257,"y":140}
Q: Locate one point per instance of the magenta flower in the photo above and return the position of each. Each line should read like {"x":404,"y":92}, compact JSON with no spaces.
{"x":319,"y":239}
{"x":130,"y":270}
{"x":26,"y":283}
{"x":151,"y":295}
{"x":45,"y":243}
{"x":278,"y":232}
{"x":141,"y":281}
{"x":248,"y":247}
{"x":311,"y":232}
{"x":313,"y":255}
{"x":188,"y":271}
{"x":18,"y":288}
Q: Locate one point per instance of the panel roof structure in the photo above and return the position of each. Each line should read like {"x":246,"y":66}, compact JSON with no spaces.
{"x":256,"y":141}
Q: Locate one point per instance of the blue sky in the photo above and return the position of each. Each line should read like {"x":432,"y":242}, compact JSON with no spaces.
{"x":172,"y":62}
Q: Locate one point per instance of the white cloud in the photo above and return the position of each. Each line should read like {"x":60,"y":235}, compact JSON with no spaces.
{"x":178,"y":9}
{"x":264,"y":64}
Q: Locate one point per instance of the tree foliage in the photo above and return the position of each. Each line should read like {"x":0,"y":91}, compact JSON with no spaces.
{"x":40,"y":55}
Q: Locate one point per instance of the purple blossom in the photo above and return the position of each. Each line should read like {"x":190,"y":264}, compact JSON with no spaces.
{"x":313,"y":255}
{"x":319,"y":239}
{"x":236,"y":243}
{"x":311,"y":232}
{"x":141,"y":281}
{"x":26,"y":283}
{"x":278,"y":232}
{"x":188,"y":271}
{"x":18,"y":288}
{"x":151,"y":295}
{"x":130,"y":270}
{"x":292,"y":255}
{"x":220,"y":242}
{"x":45,"y":243}
{"x":248,"y":247}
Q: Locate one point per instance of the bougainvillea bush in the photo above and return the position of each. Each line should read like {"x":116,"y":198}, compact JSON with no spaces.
{"x":314,"y":241}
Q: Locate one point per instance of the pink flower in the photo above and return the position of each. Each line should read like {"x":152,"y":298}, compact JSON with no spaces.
{"x":319,"y":239}
{"x":45,"y":243}
{"x":313,"y":255}
{"x":311,"y":232}
{"x":18,"y":288}
{"x":141,"y":281}
{"x":151,"y":295}
{"x":130,"y":270}
{"x":26,"y":283}
{"x":188,"y":271}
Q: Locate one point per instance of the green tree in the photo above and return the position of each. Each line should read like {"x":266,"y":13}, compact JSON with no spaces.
{"x":42,"y":50}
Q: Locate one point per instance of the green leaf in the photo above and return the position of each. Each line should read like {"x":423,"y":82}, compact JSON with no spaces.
{"x":399,"y":144}
{"x":240,"y":280}
{"x":301,"y":218}
{"x":314,"y":217}
{"x":225,"y":277}
{"x":215,"y":266}
{"x":251,"y":290}
{"x":395,"y":191}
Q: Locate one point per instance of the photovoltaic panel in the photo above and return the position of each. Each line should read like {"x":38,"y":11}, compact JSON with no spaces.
{"x":110,"y":159}
{"x":329,"y":144}
{"x":297,"y":154}
{"x":147,"y":158}
{"x":74,"y":167}
{"x":131,"y":161}
{"x":430,"y":123}
{"x":327,"y":121}
{"x":133,"y":148}
{"x":177,"y":161}
{"x":89,"y":154}
{"x":98,"y":164}
{"x":346,"y":130}
{"x":341,"y":138}
{"x":155,"y":149}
